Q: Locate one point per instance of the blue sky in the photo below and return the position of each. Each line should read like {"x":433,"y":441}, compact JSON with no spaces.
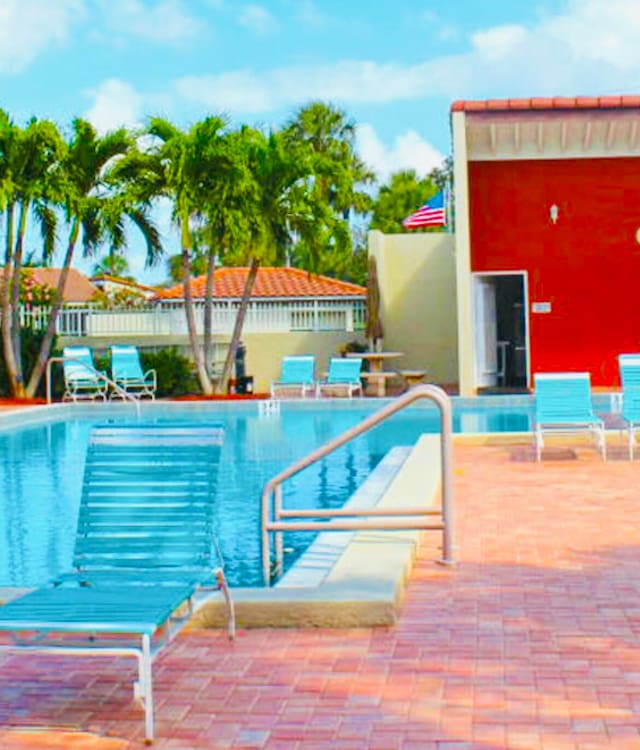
{"x":394,"y":67}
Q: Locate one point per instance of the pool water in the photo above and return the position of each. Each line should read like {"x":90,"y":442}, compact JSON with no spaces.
{"x":42,"y":465}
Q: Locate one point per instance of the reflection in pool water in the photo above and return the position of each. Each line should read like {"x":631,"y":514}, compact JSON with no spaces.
{"x":41,"y":473}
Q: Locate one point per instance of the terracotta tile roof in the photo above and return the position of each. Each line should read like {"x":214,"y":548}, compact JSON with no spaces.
{"x":78,"y":288}
{"x":555,"y":102}
{"x":270,"y":282}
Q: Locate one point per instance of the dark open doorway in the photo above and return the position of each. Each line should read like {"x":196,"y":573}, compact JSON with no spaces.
{"x":501,"y":340}
{"x":511,"y":330}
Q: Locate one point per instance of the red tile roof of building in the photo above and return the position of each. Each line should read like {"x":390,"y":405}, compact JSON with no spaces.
{"x":546,"y":103}
{"x":77,"y":288}
{"x":270,"y":282}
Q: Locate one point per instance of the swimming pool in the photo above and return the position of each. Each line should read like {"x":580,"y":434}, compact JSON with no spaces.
{"x":42,"y":464}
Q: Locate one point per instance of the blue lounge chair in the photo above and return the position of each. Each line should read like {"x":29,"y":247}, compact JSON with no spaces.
{"x":344,"y":375}
{"x":630,"y":378}
{"x":563,"y":404}
{"x":81,"y":379}
{"x":296,"y":377}
{"x":144,"y":548}
{"x":126,"y":372}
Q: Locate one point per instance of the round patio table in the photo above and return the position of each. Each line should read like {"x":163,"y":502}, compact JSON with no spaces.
{"x":377,"y":376}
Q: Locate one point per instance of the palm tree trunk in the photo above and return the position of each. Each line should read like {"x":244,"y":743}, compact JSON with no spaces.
{"x":15,"y":295}
{"x":240,"y":317}
{"x":50,"y":332}
{"x":198,"y":357}
{"x":208,"y":312}
{"x":7,"y":339}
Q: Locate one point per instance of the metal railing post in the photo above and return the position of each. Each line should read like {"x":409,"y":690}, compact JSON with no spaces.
{"x":273,"y":486}
{"x":277,"y":510}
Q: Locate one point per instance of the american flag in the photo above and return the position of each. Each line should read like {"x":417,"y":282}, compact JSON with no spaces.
{"x":431,"y":214}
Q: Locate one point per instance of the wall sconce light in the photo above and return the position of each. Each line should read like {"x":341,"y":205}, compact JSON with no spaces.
{"x":554,"y":212}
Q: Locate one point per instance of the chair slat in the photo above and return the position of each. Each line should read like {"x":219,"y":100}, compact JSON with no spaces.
{"x":145,"y":504}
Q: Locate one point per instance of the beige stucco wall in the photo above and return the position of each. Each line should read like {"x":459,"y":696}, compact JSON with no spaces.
{"x":265,"y":352}
{"x":465,"y":312}
{"x":418,"y":292}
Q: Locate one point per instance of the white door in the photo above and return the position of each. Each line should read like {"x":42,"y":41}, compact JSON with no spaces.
{"x":485,"y":335}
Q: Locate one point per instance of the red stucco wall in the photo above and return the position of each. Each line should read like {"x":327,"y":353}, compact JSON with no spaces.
{"x":587,"y":265}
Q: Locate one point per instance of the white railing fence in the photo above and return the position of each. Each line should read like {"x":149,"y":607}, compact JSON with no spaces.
{"x":169,"y":319}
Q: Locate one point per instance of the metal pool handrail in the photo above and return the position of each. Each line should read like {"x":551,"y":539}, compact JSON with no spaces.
{"x":124,"y":394}
{"x":272,"y":492}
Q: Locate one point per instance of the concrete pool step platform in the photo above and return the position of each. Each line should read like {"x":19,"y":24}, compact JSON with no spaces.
{"x":348,"y":579}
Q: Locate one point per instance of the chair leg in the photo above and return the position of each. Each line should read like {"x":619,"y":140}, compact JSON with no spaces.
{"x":146,"y":678}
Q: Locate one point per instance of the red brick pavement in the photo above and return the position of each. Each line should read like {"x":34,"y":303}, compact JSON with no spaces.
{"x":531,"y":643}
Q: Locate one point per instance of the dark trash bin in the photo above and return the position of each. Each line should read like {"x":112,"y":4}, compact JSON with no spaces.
{"x":244,"y":384}
{"x":241,"y":353}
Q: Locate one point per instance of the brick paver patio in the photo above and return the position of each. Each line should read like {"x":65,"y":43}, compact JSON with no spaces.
{"x":533,"y":642}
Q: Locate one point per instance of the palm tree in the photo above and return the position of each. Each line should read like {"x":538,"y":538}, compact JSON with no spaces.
{"x":339,"y":178}
{"x":186,"y":167}
{"x":29,"y":179}
{"x":97,"y":206}
{"x":113,"y":264}
{"x":281,"y":207}
{"x":229,"y":227}
{"x":198,"y":265}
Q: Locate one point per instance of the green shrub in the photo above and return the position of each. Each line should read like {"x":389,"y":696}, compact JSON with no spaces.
{"x":175,"y":372}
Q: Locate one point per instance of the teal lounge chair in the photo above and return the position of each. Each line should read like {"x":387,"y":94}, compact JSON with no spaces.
{"x":147,"y":506}
{"x":296,"y":377}
{"x":126,"y":372}
{"x":563,"y":404}
{"x":630,"y":378}
{"x":344,"y":375}
{"x":144,"y":549}
{"x":81,"y":379}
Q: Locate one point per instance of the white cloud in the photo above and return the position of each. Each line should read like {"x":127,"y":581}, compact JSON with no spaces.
{"x":166,"y":21}
{"x":115,"y":103}
{"x":590,"y":47}
{"x":239,"y":91}
{"x":258,"y":19}
{"x":595,"y":30}
{"x":346,"y":81}
{"x":500,"y":42}
{"x":408,"y":151}
{"x":308,"y":13}
{"x":434,"y":23}
{"x":29,"y":27}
